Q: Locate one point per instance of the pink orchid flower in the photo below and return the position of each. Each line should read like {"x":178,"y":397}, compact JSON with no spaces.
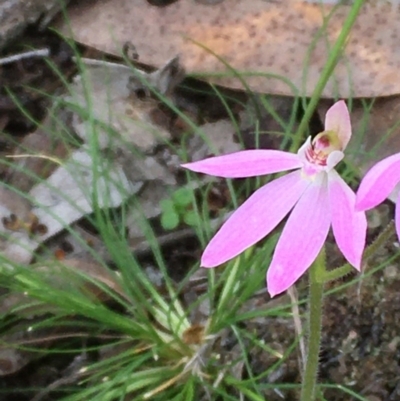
{"x":380,"y":182}
{"x":314,"y":190}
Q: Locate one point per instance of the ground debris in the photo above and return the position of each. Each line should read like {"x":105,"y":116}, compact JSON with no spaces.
{"x":16,"y":15}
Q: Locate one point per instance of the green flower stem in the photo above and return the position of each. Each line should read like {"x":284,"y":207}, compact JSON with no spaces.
{"x":318,"y":277}
{"x":314,"y":333}
{"x":344,"y":270}
{"x":326,"y":73}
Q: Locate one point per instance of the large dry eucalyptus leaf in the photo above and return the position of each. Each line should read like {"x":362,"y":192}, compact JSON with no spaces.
{"x":286,"y":38}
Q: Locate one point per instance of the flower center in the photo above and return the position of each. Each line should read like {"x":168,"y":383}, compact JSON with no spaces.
{"x":321,"y":147}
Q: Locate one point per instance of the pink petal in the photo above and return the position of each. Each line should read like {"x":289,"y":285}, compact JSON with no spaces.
{"x":302,"y":238}
{"x":256,"y":218}
{"x":247,"y":163}
{"x":378,"y":183}
{"x":337,"y":119}
{"x":397,"y":217}
{"x":349,"y":226}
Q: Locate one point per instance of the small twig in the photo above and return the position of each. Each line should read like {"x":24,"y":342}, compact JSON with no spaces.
{"x":99,"y":63}
{"x":64,"y":336}
{"x":22,"y":56}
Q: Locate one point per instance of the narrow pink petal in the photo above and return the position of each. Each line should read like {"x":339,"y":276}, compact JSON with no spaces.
{"x":349,"y":226}
{"x":337,"y":119}
{"x":302,"y":238}
{"x":247,"y":163}
{"x":256,"y":218}
{"x":397,"y":216}
{"x":378,"y":183}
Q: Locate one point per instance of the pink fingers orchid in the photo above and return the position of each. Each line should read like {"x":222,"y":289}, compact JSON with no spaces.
{"x":380,"y":182}
{"x":314,"y":191}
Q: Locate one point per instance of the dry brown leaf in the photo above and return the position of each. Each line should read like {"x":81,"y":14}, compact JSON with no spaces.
{"x":273,"y":37}
{"x":121,"y":101}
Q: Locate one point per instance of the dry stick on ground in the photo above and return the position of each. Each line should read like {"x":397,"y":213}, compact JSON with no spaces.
{"x":21,"y":56}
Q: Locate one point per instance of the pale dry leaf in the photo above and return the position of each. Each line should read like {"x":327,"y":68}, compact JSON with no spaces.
{"x":213,"y":138}
{"x":138,"y":168}
{"x":68,"y":194}
{"x":148,"y":207}
{"x":265,"y":37}
{"x":121,"y":109}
